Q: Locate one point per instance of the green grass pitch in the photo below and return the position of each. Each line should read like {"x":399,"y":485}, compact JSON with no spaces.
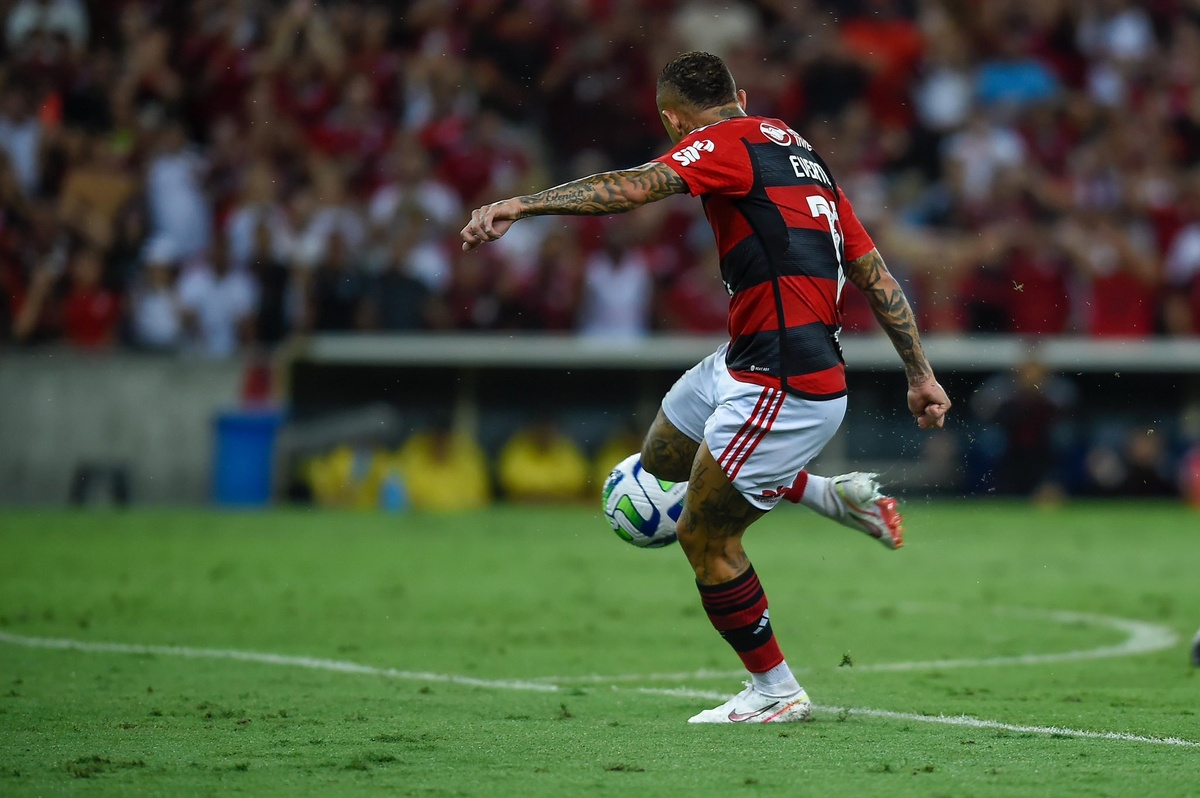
{"x":529,"y":652}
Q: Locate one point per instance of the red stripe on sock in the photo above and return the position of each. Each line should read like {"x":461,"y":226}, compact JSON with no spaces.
{"x":733,"y":597}
{"x":723,"y":622}
{"x":763,"y":658}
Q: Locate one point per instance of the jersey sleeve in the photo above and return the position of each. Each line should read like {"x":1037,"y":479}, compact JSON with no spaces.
{"x":857,"y":241}
{"x":711,"y":163}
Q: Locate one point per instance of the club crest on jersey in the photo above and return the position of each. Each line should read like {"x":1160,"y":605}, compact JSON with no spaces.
{"x":784,"y":137}
{"x":692,"y":152}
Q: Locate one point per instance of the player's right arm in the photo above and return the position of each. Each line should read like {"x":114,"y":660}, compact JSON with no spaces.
{"x":599,"y":195}
{"x":926,"y":399}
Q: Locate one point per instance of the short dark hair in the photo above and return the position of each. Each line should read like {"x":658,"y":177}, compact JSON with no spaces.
{"x":700,"y":79}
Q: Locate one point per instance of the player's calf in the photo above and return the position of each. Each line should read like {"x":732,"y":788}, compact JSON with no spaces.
{"x":710,"y":531}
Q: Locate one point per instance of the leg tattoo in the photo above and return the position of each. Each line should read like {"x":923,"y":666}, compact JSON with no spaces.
{"x":667,"y":453}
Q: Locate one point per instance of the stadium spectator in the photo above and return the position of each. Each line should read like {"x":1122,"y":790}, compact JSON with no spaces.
{"x":618,"y":289}
{"x":38,"y":315}
{"x":617,"y":447}
{"x":556,"y":281}
{"x":337,"y":289}
{"x":38,"y":29}
{"x":1120,"y":276}
{"x":1031,"y":408}
{"x":541,"y":465}
{"x":218,"y":304}
{"x":444,"y":470}
{"x":275,"y":313}
{"x":96,"y":187}
{"x":411,"y":194}
{"x":157,"y":315}
{"x":21,"y":137}
{"x":258,"y":212}
{"x":90,"y":309}
{"x":175,"y":194}
{"x":400,"y":300}
{"x":350,"y":476}
{"x":1139,"y":468}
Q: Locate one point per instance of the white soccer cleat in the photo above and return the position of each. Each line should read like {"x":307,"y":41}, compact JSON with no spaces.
{"x":751,"y":706}
{"x":865,"y":507}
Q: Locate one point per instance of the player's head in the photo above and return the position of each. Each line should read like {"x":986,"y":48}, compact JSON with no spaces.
{"x":694,"y":90}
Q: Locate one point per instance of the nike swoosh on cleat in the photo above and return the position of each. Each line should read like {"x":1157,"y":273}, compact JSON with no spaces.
{"x":735,"y":717}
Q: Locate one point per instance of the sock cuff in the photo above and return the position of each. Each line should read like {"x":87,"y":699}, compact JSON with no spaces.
{"x":730,"y":586}
{"x":795,"y":493}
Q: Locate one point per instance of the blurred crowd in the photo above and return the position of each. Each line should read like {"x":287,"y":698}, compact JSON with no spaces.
{"x":210,"y":175}
{"x":443,"y":468}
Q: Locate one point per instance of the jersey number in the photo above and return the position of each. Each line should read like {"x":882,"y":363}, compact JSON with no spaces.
{"x":818,"y":207}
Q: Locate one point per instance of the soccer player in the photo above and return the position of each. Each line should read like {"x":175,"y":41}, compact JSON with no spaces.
{"x":1196,"y":650}
{"x":741,"y":425}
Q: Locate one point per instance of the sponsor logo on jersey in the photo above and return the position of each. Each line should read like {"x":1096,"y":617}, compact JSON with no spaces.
{"x":775,"y":134}
{"x":691,"y":153}
{"x":784,"y":137}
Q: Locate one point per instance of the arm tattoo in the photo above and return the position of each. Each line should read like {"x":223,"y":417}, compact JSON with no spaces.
{"x":605,"y":193}
{"x":892,"y":311}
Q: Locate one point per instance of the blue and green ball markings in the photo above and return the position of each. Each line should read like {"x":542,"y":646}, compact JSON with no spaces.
{"x":642,"y":509}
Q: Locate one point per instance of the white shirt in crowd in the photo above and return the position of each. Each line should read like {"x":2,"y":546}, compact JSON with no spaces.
{"x":157,"y":321}
{"x":220,"y":304}
{"x":21,"y":141}
{"x":616,"y":296}
{"x":179,"y":210}
{"x":1183,"y":258}
{"x":241,"y":228}
{"x":439,"y":205}
{"x":63,"y":17}
{"x":329,"y":219}
{"x":983,"y":150}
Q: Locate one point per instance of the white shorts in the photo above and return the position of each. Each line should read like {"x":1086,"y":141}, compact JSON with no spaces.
{"x":762,"y":437}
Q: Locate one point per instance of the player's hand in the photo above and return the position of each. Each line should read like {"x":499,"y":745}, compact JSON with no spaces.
{"x":489,"y":223}
{"x":929,"y":403}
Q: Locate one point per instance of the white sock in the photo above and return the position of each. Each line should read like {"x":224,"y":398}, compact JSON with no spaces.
{"x":818,"y":496}
{"x":777,"y":682}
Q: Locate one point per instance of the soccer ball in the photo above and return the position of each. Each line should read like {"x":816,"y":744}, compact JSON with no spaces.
{"x":641,"y":508}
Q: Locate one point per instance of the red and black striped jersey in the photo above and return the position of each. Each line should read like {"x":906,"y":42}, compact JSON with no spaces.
{"x":784,"y":232}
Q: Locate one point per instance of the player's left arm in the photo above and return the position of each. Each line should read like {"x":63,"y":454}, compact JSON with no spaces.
{"x":926,"y":398}
{"x":599,"y":195}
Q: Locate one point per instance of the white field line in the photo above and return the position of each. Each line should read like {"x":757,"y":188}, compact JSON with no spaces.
{"x":947,"y":720}
{"x":312,"y":663}
{"x":1142,"y":638}
{"x":341,"y":666}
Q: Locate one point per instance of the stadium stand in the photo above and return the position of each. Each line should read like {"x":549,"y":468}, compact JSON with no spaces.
{"x":222,"y":179}
{"x":213,"y":175}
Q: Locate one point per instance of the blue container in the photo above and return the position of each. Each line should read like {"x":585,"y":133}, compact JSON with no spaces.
{"x":243,"y":457}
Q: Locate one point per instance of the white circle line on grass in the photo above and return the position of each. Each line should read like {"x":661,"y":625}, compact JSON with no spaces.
{"x":946,"y":720}
{"x":263,"y":658}
{"x":1142,"y":637}
{"x":342,"y":666}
